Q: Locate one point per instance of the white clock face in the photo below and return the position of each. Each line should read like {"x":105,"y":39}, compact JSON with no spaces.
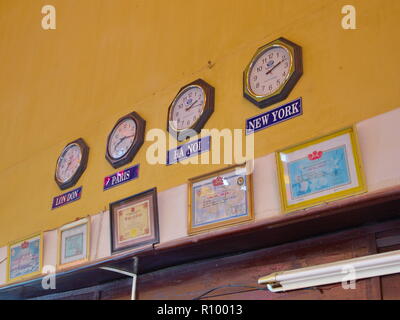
{"x":270,"y":71}
{"x":69,"y":162}
{"x":187,"y":108}
{"x":122,"y":138}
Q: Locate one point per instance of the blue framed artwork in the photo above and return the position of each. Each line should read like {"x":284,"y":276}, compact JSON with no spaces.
{"x":25,"y":258}
{"x":320,"y":170}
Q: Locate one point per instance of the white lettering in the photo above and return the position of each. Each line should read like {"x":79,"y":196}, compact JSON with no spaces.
{"x":49,"y":20}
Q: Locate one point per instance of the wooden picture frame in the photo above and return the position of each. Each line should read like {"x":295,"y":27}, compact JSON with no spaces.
{"x":208,"y":205}
{"x":25,"y":258}
{"x":74,"y":243}
{"x":320,"y":170}
{"x":134,"y":221}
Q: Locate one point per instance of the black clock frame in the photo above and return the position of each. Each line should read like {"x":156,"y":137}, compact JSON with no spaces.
{"x":209,"y":91}
{"x":291,"y":82}
{"x":82,"y":166}
{"x":137,"y":143}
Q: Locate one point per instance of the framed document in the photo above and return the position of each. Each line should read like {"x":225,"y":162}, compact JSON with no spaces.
{"x":321,"y":170}
{"x":134,"y":221}
{"x":25,"y":258}
{"x":74,"y":243}
{"x":221,"y":198}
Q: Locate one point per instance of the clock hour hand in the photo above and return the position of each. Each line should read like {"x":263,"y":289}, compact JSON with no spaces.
{"x":270,"y":70}
{"x":187,"y":109}
{"x":69,"y":163}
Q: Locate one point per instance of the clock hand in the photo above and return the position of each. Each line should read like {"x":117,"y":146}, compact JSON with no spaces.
{"x":187,"y":109}
{"x":69,"y":163}
{"x":120,"y":140}
{"x":270,"y":70}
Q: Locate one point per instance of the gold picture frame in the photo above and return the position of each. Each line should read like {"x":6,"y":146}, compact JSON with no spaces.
{"x":320,"y":170}
{"x":25,"y":258}
{"x":77,"y":234}
{"x":211,"y":190}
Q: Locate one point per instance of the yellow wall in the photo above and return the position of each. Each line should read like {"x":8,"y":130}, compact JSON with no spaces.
{"x":110,"y":57}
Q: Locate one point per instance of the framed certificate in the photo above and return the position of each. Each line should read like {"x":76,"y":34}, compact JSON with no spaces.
{"x":25,"y":258}
{"x":321,"y":170}
{"x":221,"y":198}
{"x":134,"y":221}
{"x":74,"y":243}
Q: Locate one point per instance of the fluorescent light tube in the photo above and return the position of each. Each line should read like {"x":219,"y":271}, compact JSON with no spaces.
{"x":340,"y":271}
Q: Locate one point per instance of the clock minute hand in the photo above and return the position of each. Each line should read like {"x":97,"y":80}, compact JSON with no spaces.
{"x":120,"y":140}
{"x":270,"y":70}
{"x":187,"y":109}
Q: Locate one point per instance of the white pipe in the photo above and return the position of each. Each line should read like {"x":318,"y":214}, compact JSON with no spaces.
{"x":133,"y":275}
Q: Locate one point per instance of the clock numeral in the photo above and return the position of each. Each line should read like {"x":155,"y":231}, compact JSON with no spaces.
{"x":259,"y":69}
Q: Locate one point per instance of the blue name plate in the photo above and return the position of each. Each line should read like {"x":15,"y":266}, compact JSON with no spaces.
{"x":188,"y":150}
{"x":66,"y":198}
{"x":262,"y":121}
{"x":121,"y":177}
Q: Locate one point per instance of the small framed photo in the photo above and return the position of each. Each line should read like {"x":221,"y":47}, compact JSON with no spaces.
{"x":25,"y":258}
{"x":320,"y":170}
{"x":134,"y":221}
{"x":74,"y":243}
{"x":220,"y":198}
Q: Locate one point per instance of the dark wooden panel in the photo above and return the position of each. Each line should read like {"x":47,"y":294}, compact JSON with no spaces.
{"x":391,"y":287}
{"x":364,"y":290}
{"x":390,"y":284}
{"x":360,"y":212}
{"x":191,"y":281}
{"x":388,"y":238}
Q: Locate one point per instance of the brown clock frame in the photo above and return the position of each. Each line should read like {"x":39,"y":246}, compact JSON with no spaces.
{"x":136,"y":145}
{"x":263,"y":102}
{"x":82,"y":167}
{"x":209,"y":91}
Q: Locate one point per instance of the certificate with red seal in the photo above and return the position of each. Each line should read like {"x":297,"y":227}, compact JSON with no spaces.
{"x":134,"y":221}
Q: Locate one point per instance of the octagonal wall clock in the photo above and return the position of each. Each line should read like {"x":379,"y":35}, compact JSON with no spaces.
{"x":71,"y":163}
{"x":190,"y":109}
{"x":125,"y":139}
{"x":272,"y":72}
